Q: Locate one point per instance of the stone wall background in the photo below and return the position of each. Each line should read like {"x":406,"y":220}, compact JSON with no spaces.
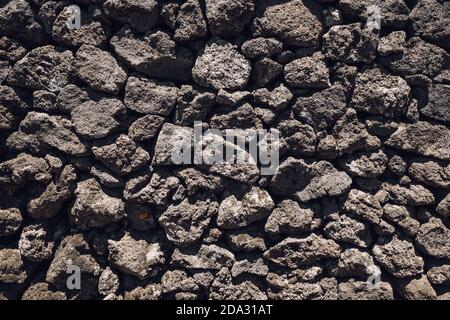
{"x":358,"y":209}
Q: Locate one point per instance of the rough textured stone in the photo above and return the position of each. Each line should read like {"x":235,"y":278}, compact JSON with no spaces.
{"x":99,"y":70}
{"x":415,"y":195}
{"x":93,"y":208}
{"x":190,"y":23}
{"x":171,"y":141}
{"x":138,"y":258}
{"x":159,"y":55}
{"x":23,"y":169}
{"x":438,"y":100}
{"x":365,"y":165}
{"x":186,"y":222}
{"x":91,"y":31}
{"x":279,"y":98}
{"x":228,"y":18}
{"x":47,"y":67}
{"x":293,"y":253}
{"x":422,"y":138}
{"x":398,"y":257}
{"x":292,"y":218}
{"x":10,"y":221}
{"x":322,"y":109}
{"x":74,"y":251}
{"x":207,"y":257}
{"x":379,"y":93}
{"x":18,"y":20}
{"x":308,"y":72}
{"x":309,"y":181}
{"x":350,"y":44}
{"x":433,"y":239}
{"x":50,"y":202}
{"x":224,"y":288}
{"x":297,"y":23}
{"x":145,"y":128}
{"x":243,"y":208}
{"x":221,"y":66}
{"x":41,"y":292}
{"x":321,"y":172}
{"x":141,"y":15}
{"x":39,"y":132}
{"x":150,"y":97}
{"x":35,"y":243}
{"x":363,"y":205}
{"x":423,"y":16}
{"x":394,"y":12}
{"x":439,"y":275}
{"x":193,"y":105}
{"x":358,"y":290}
{"x":261,"y":47}
{"x":401,"y":216}
{"x":123,"y":156}
{"x":443,"y":208}
{"x":418,"y":57}
{"x":431,"y":174}
{"x":12,"y":268}
{"x":418,"y":289}
{"x":353,"y":263}
{"x":346,"y":229}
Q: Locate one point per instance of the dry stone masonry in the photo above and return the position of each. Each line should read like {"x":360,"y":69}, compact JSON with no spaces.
{"x":96,"y":94}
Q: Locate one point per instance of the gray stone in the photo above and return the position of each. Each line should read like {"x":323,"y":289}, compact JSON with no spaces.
{"x":308,"y":72}
{"x":91,"y":31}
{"x":398,"y":257}
{"x":292,"y":218}
{"x":261,"y":47}
{"x":142,"y":15}
{"x":423,"y":17}
{"x":123,"y":156}
{"x":422,"y":138}
{"x":221,"y":66}
{"x":145,"y":128}
{"x":138,"y":258}
{"x":433,"y":239}
{"x":44,"y":68}
{"x":438,"y":101}
{"x":93,"y":208}
{"x":430,"y":173}
{"x":348,"y":230}
{"x":350,"y":44}
{"x":50,"y":202}
{"x":186,"y":222}
{"x":150,"y":97}
{"x":309,"y":181}
{"x":159,"y":56}
{"x":35,"y":243}
{"x":296,"y":22}
{"x":10,"y":221}
{"x":96,"y":119}
{"x":394,"y":12}
{"x":379,"y":93}
{"x":99,"y":70}
{"x":207,"y":257}
{"x":293,"y":253}
{"x":244,"y":207}
{"x":228,"y":18}
{"x":39,"y":133}
{"x":322,"y":109}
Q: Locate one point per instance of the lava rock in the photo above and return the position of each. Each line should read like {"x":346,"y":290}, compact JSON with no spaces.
{"x":93,"y":208}
{"x":221,"y":66}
